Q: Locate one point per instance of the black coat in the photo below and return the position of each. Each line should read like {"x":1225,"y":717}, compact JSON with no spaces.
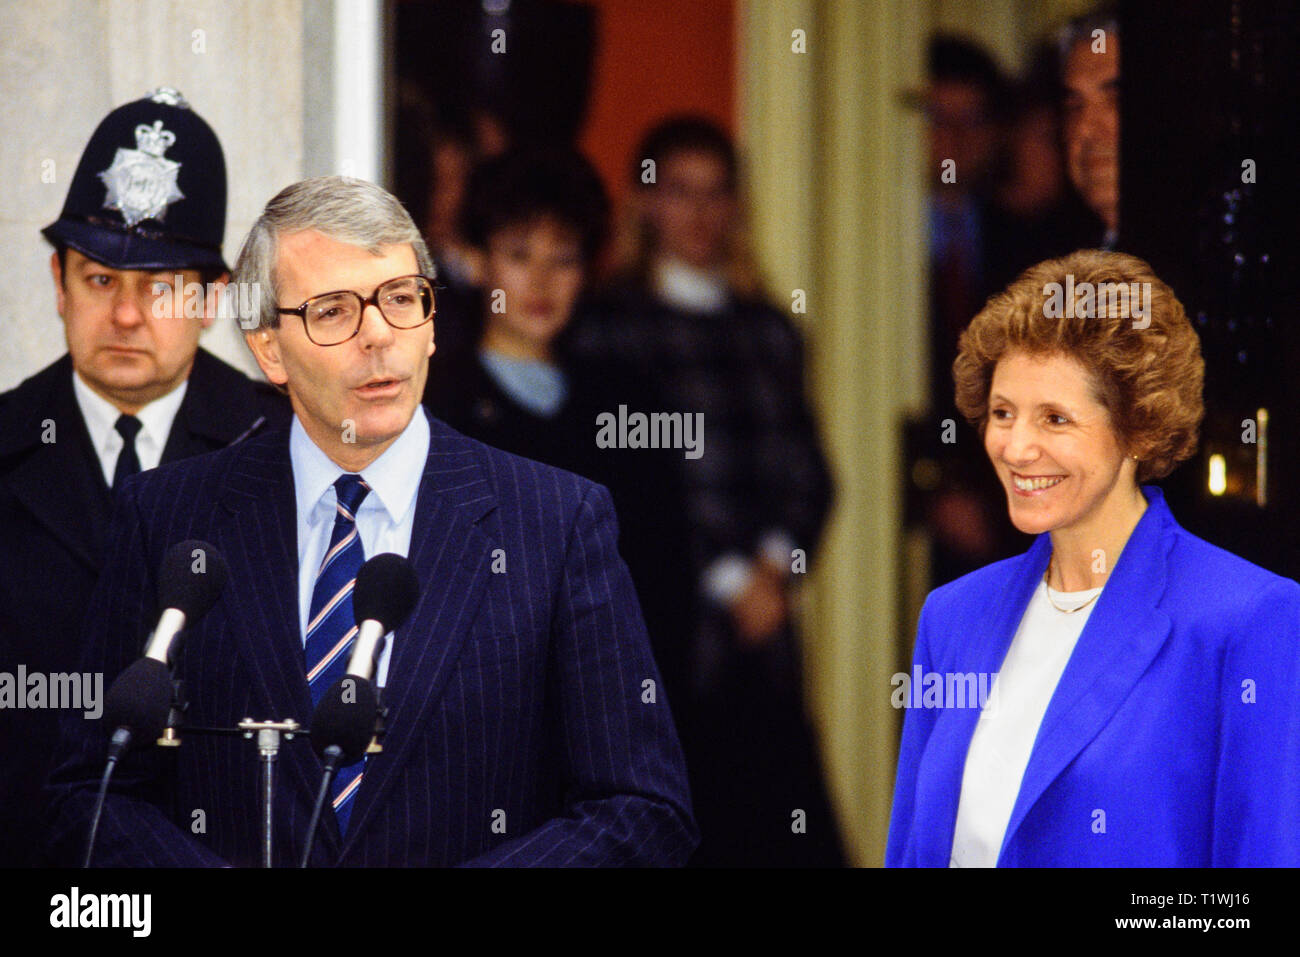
{"x":54,"y":514}
{"x":644,"y":483}
{"x":751,"y":753}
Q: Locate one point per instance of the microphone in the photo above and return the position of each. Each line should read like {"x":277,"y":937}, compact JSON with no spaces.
{"x":190,"y":579}
{"x":139,"y":702}
{"x":383,"y":596}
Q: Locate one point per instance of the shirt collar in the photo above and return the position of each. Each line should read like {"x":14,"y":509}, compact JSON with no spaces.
{"x":101,"y":415}
{"x":394,"y":477}
{"x":536,"y":384}
{"x":689,"y":288}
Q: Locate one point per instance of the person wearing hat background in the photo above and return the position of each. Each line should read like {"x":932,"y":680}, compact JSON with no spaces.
{"x":146,"y":205}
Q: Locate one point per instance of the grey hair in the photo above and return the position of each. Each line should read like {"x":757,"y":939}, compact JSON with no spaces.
{"x":352,"y":211}
{"x":1080,"y":30}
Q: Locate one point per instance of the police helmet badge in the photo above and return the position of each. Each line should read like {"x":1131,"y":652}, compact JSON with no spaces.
{"x":159,"y":205}
{"x":141,"y":183}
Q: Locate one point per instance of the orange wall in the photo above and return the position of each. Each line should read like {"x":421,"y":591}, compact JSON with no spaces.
{"x":652,"y":59}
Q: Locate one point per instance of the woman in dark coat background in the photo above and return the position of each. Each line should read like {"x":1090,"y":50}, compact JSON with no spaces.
{"x":537,"y":220}
{"x":688,"y":312}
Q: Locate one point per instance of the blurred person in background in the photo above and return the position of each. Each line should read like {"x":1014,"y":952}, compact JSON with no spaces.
{"x":687,"y":310}
{"x":434,"y":154}
{"x":1035,"y":213}
{"x":464,"y":99}
{"x":965,"y":102}
{"x":1090,"y":75}
{"x":535,"y":220}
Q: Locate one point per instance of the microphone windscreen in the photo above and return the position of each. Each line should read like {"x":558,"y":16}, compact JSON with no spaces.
{"x":345,"y":716}
{"x":191,"y":578}
{"x":140,"y":699}
{"x":386,"y":591}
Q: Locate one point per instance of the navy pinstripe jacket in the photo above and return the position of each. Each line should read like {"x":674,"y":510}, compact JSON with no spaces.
{"x":520,"y":729}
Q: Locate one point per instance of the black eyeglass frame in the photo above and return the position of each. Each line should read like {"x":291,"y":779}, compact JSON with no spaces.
{"x":371,"y":300}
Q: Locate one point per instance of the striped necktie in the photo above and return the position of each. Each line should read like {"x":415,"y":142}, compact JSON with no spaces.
{"x":330,"y":626}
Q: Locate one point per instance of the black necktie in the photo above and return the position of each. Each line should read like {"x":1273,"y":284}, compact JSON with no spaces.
{"x":128,"y":463}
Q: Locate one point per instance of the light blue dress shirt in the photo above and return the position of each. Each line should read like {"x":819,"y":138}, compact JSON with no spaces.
{"x":384,"y":520}
{"x":538,"y":386}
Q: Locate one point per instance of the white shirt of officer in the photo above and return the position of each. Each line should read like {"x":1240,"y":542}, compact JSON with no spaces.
{"x":101,"y":417}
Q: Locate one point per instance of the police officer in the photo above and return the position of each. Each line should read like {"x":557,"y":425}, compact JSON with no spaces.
{"x":137,"y":264}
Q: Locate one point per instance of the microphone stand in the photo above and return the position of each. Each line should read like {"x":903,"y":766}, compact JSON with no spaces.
{"x":171,"y":737}
{"x":331,"y":759}
{"x":120,"y":741}
{"x":268,"y":735}
{"x":268,"y":751}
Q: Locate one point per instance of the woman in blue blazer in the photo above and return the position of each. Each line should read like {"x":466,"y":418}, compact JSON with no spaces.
{"x":1124,"y":693}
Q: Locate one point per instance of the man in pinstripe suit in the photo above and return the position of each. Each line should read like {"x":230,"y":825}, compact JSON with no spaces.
{"x":525,"y":723}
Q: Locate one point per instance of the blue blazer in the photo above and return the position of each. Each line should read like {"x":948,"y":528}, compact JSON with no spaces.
{"x":522,"y":725}
{"x":1173,"y":738}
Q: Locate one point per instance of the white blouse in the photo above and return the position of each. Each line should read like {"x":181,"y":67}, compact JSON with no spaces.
{"x":1008,"y":724}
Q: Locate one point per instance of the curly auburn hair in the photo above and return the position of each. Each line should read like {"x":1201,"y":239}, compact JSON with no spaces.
{"x":1148,"y":379}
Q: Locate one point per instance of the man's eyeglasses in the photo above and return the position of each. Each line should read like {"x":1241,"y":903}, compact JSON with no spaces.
{"x":333,"y":318}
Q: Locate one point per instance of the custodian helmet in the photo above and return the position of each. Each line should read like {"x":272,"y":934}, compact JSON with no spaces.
{"x":150,"y":190}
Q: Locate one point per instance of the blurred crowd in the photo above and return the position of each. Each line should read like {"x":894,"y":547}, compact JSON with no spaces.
{"x":553,"y":309}
{"x":1022,"y":169}
{"x":541,"y":331}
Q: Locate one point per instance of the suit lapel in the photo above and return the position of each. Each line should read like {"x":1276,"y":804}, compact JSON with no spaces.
{"x":218,"y":407}
{"x":61,"y":482}
{"x":1124,"y":633}
{"x":992,"y":627}
{"x":260,"y":545}
{"x":451,"y":557}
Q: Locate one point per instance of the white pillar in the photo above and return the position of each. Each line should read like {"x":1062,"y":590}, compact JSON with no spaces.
{"x":836,"y":174}
{"x":358,"y":72}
